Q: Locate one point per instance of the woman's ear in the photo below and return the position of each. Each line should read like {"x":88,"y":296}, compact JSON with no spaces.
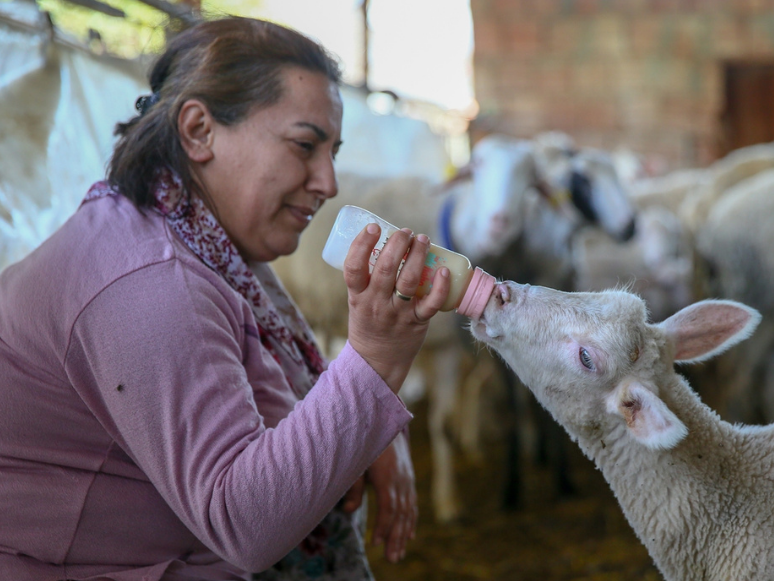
{"x":195,"y":125}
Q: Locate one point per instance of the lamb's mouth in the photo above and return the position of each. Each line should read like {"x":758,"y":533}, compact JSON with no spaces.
{"x":483,"y":331}
{"x":479,"y":329}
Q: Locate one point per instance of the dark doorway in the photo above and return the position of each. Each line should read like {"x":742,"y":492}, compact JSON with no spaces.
{"x":748,"y":116}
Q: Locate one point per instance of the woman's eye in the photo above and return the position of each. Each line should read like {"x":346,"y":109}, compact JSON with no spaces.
{"x":585,"y":359}
{"x":305,"y":145}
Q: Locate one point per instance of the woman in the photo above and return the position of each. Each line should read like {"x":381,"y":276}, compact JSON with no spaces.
{"x":166,"y":414}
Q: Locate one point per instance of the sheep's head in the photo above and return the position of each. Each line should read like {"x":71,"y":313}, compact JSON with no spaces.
{"x":503,"y":172}
{"x":593,"y":358}
{"x":599,"y":195}
{"x":593,"y":190}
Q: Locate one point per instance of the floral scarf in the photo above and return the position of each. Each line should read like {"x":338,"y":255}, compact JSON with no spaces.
{"x":281,"y":326}
{"x":335,"y":550}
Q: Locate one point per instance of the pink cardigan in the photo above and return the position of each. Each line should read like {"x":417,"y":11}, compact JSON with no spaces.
{"x":145,"y":433}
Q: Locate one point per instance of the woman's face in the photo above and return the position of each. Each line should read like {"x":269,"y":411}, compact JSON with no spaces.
{"x":269,"y":174}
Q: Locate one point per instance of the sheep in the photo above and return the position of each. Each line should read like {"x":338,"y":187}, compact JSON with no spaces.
{"x":734,"y":246}
{"x":657,"y":263}
{"x":594,"y":202}
{"x":476,"y":217}
{"x":669,"y":190}
{"x":735,"y":167}
{"x":697,"y":490}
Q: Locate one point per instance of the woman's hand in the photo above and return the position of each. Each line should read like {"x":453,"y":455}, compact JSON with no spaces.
{"x":392,"y":476}
{"x":386,"y":330}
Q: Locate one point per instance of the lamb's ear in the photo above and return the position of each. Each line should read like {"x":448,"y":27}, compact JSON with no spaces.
{"x":707,"y":328}
{"x":648,"y":419}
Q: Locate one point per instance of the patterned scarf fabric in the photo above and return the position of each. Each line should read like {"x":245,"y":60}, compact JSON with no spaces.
{"x":335,"y":550}
{"x":282,"y":328}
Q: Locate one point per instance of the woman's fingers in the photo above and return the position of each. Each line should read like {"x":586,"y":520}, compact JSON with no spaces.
{"x":431,"y":303}
{"x":356,"y":265}
{"x":391,"y":260}
{"x":413,"y":269}
{"x":392,"y":477}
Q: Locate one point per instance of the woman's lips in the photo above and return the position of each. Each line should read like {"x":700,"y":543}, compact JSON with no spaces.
{"x":303,"y":214}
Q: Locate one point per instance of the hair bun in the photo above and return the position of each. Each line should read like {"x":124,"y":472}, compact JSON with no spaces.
{"x":145,"y":102}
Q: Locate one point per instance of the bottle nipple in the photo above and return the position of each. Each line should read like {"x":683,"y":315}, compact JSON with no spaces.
{"x":477,"y":294}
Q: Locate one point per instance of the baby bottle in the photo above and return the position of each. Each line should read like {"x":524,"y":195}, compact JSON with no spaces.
{"x":470,"y":287}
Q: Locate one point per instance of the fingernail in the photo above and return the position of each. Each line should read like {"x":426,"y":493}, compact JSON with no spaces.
{"x":444,"y":272}
{"x":423,"y":238}
{"x":407,"y":230}
{"x":372,"y":229}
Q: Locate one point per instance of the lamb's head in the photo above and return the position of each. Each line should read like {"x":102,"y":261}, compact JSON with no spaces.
{"x":595,"y":362}
{"x":599,"y":195}
{"x":491,"y":213}
{"x":586,"y":181}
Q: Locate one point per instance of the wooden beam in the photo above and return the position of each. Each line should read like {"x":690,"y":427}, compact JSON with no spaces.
{"x":99,"y":7}
{"x":178,"y":11}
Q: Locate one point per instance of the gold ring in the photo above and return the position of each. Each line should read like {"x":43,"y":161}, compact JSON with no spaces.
{"x":400,"y":295}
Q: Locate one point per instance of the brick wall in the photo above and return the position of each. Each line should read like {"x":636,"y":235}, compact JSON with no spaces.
{"x":646,"y":74}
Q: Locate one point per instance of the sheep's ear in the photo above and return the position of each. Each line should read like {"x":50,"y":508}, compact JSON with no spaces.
{"x":707,"y":328}
{"x":648,"y":419}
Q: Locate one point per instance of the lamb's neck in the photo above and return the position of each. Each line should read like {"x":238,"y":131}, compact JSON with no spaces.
{"x":682,"y":497}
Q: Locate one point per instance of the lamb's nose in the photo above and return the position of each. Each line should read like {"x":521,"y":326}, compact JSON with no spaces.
{"x":499,"y":223}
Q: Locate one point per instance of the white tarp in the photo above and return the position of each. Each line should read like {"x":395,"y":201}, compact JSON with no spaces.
{"x":58,"y":107}
{"x":59,"y":104}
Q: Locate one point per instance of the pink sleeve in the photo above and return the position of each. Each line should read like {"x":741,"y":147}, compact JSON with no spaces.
{"x":157,"y":357}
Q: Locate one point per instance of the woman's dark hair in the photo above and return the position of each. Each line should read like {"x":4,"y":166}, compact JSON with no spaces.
{"x":233,"y":66}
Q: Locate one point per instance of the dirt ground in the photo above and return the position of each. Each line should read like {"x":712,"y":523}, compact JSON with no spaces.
{"x":581,"y":538}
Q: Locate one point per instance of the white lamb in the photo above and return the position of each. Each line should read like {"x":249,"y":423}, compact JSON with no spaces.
{"x":698,"y":491}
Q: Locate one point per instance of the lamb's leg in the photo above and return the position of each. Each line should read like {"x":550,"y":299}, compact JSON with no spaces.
{"x":513,"y":489}
{"x":443,"y":391}
{"x":483,"y":371}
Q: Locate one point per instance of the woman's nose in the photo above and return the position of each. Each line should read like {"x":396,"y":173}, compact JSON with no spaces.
{"x":322,"y":179}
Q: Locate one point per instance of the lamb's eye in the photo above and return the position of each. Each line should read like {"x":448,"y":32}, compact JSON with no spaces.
{"x":585,"y":359}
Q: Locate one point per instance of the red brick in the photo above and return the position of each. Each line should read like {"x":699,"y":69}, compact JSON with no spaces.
{"x":664,"y":5}
{"x":523,"y":38}
{"x":587,"y":7}
{"x":555,"y":78}
{"x":688,"y":36}
{"x":640,"y":112}
{"x":517,"y":76}
{"x":632,"y":76}
{"x":594,"y":77}
{"x":609,"y":36}
{"x":646,"y":34}
{"x":630,"y":7}
{"x":480,"y":9}
{"x":728,"y":36}
{"x":565,"y":35}
{"x":515,"y":9}
{"x":751,"y":6}
{"x":486,"y":37}
{"x":760,"y":39}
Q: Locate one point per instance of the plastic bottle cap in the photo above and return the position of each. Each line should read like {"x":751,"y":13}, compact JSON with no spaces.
{"x":477,"y":295}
